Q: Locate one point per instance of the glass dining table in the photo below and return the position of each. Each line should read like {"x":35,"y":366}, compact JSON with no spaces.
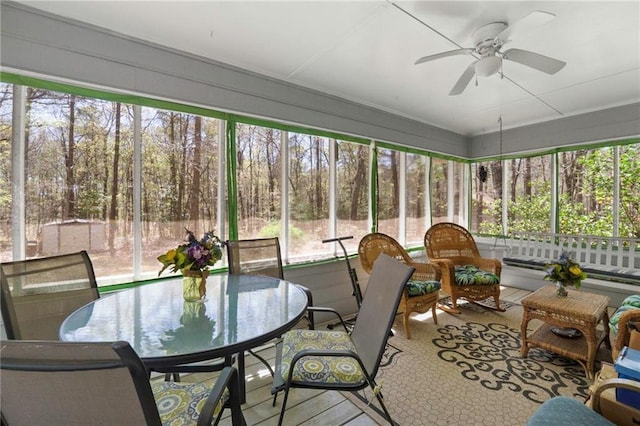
{"x":239,"y":312}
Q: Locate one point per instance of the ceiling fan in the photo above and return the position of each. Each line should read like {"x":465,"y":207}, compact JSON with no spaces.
{"x":488,"y":41}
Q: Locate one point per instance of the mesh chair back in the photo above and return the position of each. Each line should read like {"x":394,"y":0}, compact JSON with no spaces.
{"x":378,"y":310}
{"x":255,"y":257}
{"x":448,"y":240}
{"x":38,"y":294}
{"x":63,"y":383}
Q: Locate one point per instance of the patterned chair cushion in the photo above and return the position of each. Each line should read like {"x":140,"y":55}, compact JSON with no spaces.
{"x":418,"y":288}
{"x":320,"y":369}
{"x":471,"y":275}
{"x":181,"y":403}
{"x":615,"y":318}
{"x":633,"y":300}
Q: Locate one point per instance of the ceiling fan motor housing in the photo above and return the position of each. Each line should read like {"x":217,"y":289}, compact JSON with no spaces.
{"x":486,"y":34}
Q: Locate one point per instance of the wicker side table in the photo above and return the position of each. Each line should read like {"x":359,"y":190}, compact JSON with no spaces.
{"x":579,"y":310}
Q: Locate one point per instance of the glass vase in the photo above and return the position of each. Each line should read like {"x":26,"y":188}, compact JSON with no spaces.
{"x":561,"y":289}
{"x":194,"y":286}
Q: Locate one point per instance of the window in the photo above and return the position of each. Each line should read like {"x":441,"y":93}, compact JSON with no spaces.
{"x":180,"y":163}
{"x":352,"y":171}
{"x":258,"y":178}
{"x":388,"y":196}
{"x":529,"y":194}
{"x":417,"y":192}
{"x":486,"y":208}
{"x":308,"y":194}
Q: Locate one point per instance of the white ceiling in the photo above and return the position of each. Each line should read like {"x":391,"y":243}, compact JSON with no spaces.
{"x":365,"y":51}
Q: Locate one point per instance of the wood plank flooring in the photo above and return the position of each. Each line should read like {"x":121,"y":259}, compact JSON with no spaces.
{"x":306,"y":407}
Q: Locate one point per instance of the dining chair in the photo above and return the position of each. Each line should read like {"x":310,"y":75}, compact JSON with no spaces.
{"x":339,"y":360}
{"x":422,"y":290}
{"x":38,"y":294}
{"x":464,"y":272}
{"x":261,"y":256}
{"x":63,"y":383}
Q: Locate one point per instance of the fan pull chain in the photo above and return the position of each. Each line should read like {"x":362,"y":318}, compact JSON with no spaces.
{"x":476,"y":80}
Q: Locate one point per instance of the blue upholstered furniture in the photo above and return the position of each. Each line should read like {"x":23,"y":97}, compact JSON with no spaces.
{"x":565,"y":411}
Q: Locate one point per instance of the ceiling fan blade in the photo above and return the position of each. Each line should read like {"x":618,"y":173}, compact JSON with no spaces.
{"x":527,"y":23}
{"x":464,"y":80}
{"x":443,"y":55}
{"x":534,"y":60}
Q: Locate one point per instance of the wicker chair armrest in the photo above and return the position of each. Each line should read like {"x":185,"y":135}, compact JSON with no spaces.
{"x":447,"y":269}
{"x":612,"y":383}
{"x":622,"y":339}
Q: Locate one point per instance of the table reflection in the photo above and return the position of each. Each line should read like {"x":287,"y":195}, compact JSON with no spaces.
{"x":239,"y":312}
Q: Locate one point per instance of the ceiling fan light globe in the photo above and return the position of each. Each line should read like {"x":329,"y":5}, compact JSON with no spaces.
{"x":488,"y":66}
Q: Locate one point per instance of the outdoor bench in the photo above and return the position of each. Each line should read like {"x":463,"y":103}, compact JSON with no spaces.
{"x":606,"y":258}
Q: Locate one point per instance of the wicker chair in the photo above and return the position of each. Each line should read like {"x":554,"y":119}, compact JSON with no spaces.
{"x":421,"y":292}
{"x":464,"y":273}
{"x":623,"y":322}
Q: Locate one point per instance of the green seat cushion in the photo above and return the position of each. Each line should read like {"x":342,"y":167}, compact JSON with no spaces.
{"x":471,"y":275}
{"x":320,"y":369}
{"x":418,"y":288}
{"x":633,"y":300}
{"x":615,"y":318}
{"x":181,"y":403}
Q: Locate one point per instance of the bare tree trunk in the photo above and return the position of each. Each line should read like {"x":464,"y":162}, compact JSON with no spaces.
{"x":361,"y":170}
{"x":318,"y":181}
{"x":173,"y":169}
{"x":184,"y":124}
{"x":394,"y":184}
{"x":113,"y":208}
{"x":527,"y":178}
{"x":69,"y":210}
{"x":194,"y":197}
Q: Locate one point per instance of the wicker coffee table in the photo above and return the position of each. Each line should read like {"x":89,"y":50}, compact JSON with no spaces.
{"x":580,"y":310}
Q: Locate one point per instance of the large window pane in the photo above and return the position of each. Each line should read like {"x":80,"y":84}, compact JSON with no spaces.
{"x":389,"y":192}
{"x":439,"y":192}
{"x":529,"y":192}
{"x":258,"y":177}
{"x":6,"y":125}
{"x":416,"y":221}
{"x":630,"y":191}
{"x":486,"y":190}
{"x":352,"y":171}
{"x":308,"y":195}
{"x":78,"y":153}
{"x":179,"y":180}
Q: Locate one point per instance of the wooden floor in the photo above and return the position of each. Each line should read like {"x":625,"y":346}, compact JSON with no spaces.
{"x":305,"y":406}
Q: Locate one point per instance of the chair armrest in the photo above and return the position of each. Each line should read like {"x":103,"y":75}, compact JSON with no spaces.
{"x":228,"y":378}
{"x":612,"y":383}
{"x":330,"y":310}
{"x":447,"y":269}
{"x":622,"y":339}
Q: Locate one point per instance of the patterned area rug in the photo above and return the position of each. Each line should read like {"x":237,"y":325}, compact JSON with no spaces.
{"x":467,"y":369}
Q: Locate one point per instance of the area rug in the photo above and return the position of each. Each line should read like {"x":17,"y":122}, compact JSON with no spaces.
{"x":467,"y":369}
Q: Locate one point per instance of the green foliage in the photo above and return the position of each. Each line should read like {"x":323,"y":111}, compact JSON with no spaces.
{"x":272,"y":229}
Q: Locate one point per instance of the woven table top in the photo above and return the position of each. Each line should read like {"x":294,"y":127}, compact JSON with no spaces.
{"x":579,"y":305}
